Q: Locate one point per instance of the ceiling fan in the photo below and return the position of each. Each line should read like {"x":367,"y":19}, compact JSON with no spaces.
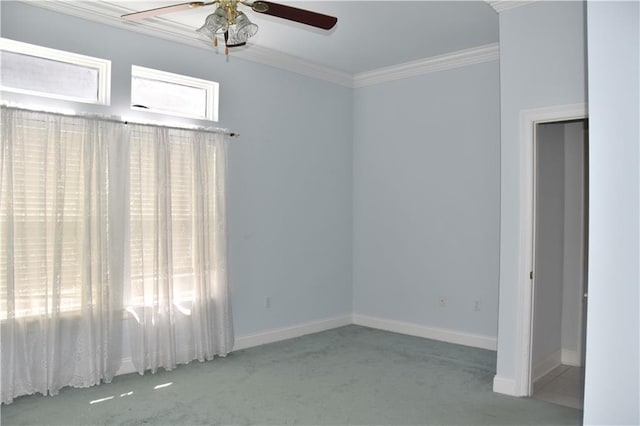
{"x":232,"y":24}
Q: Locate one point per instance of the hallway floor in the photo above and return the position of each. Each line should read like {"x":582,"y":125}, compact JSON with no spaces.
{"x":564,"y":385}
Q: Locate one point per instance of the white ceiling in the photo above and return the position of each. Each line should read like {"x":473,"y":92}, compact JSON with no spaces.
{"x":369,"y":34}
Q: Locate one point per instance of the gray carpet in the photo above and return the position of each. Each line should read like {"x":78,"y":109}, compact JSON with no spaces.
{"x":350,"y":375}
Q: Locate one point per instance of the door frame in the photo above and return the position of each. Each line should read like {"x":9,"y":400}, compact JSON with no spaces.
{"x":528,"y":121}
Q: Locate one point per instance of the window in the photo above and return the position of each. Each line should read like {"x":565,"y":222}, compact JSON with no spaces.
{"x":149,"y":222}
{"x":40,"y":71}
{"x":175,"y":94}
{"x":70,"y":190}
{"x":69,"y":194}
{"x":49,"y":196}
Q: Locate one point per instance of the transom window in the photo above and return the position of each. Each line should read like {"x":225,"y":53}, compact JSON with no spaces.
{"x":40,"y":71}
{"x":174,"y":94}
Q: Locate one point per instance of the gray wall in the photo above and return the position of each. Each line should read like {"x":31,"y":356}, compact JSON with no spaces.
{"x":426,"y":200}
{"x":573,"y":272}
{"x":542,"y":63}
{"x":290,"y":171}
{"x":612,"y":388}
{"x":549,"y":247}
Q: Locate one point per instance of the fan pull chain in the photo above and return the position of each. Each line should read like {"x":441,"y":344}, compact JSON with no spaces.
{"x":226,"y":40}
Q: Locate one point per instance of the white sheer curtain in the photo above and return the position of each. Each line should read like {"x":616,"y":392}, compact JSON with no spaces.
{"x":104,"y":226}
{"x":61,"y":311}
{"x":178,"y":302}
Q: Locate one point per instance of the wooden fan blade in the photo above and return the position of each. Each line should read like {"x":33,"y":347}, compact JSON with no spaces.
{"x":135,"y":16}
{"x":303,"y":16}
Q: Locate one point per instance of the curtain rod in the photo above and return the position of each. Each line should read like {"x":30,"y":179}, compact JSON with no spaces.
{"x":116,"y":119}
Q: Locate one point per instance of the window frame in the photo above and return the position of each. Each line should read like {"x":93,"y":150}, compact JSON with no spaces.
{"x":211,"y":89}
{"x":102,"y":66}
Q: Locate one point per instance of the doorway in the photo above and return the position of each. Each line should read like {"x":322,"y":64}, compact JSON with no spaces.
{"x":559,"y":279}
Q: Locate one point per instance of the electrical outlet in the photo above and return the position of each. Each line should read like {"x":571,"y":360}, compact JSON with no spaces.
{"x":443,"y":301}
{"x":476,"y":306}
{"x":267,"y":302}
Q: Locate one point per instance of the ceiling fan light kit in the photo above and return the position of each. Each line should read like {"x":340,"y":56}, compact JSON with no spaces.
{"x":215,"y":24}
{"x":233,"y":25}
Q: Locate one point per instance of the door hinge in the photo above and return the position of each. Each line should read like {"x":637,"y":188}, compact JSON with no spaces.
{"x":531,"y":275}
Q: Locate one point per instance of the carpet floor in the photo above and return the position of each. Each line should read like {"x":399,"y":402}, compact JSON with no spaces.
{"x":350,"y":375}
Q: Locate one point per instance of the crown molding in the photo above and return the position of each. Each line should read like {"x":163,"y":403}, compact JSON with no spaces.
{"x":461,"y":58}
{"x":281,"y":60}
{"x":502,"y":5}
{"x":109,"y":14}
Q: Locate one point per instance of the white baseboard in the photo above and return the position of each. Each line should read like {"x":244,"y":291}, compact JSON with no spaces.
{"x":445,"y":335}
{"x":285,"y":333}
{"x":265,"y":337}
{"x":279,"y":334}
{"x":571,"y":358}
{"x":504,"y":386}
{"x":546,"y":365}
